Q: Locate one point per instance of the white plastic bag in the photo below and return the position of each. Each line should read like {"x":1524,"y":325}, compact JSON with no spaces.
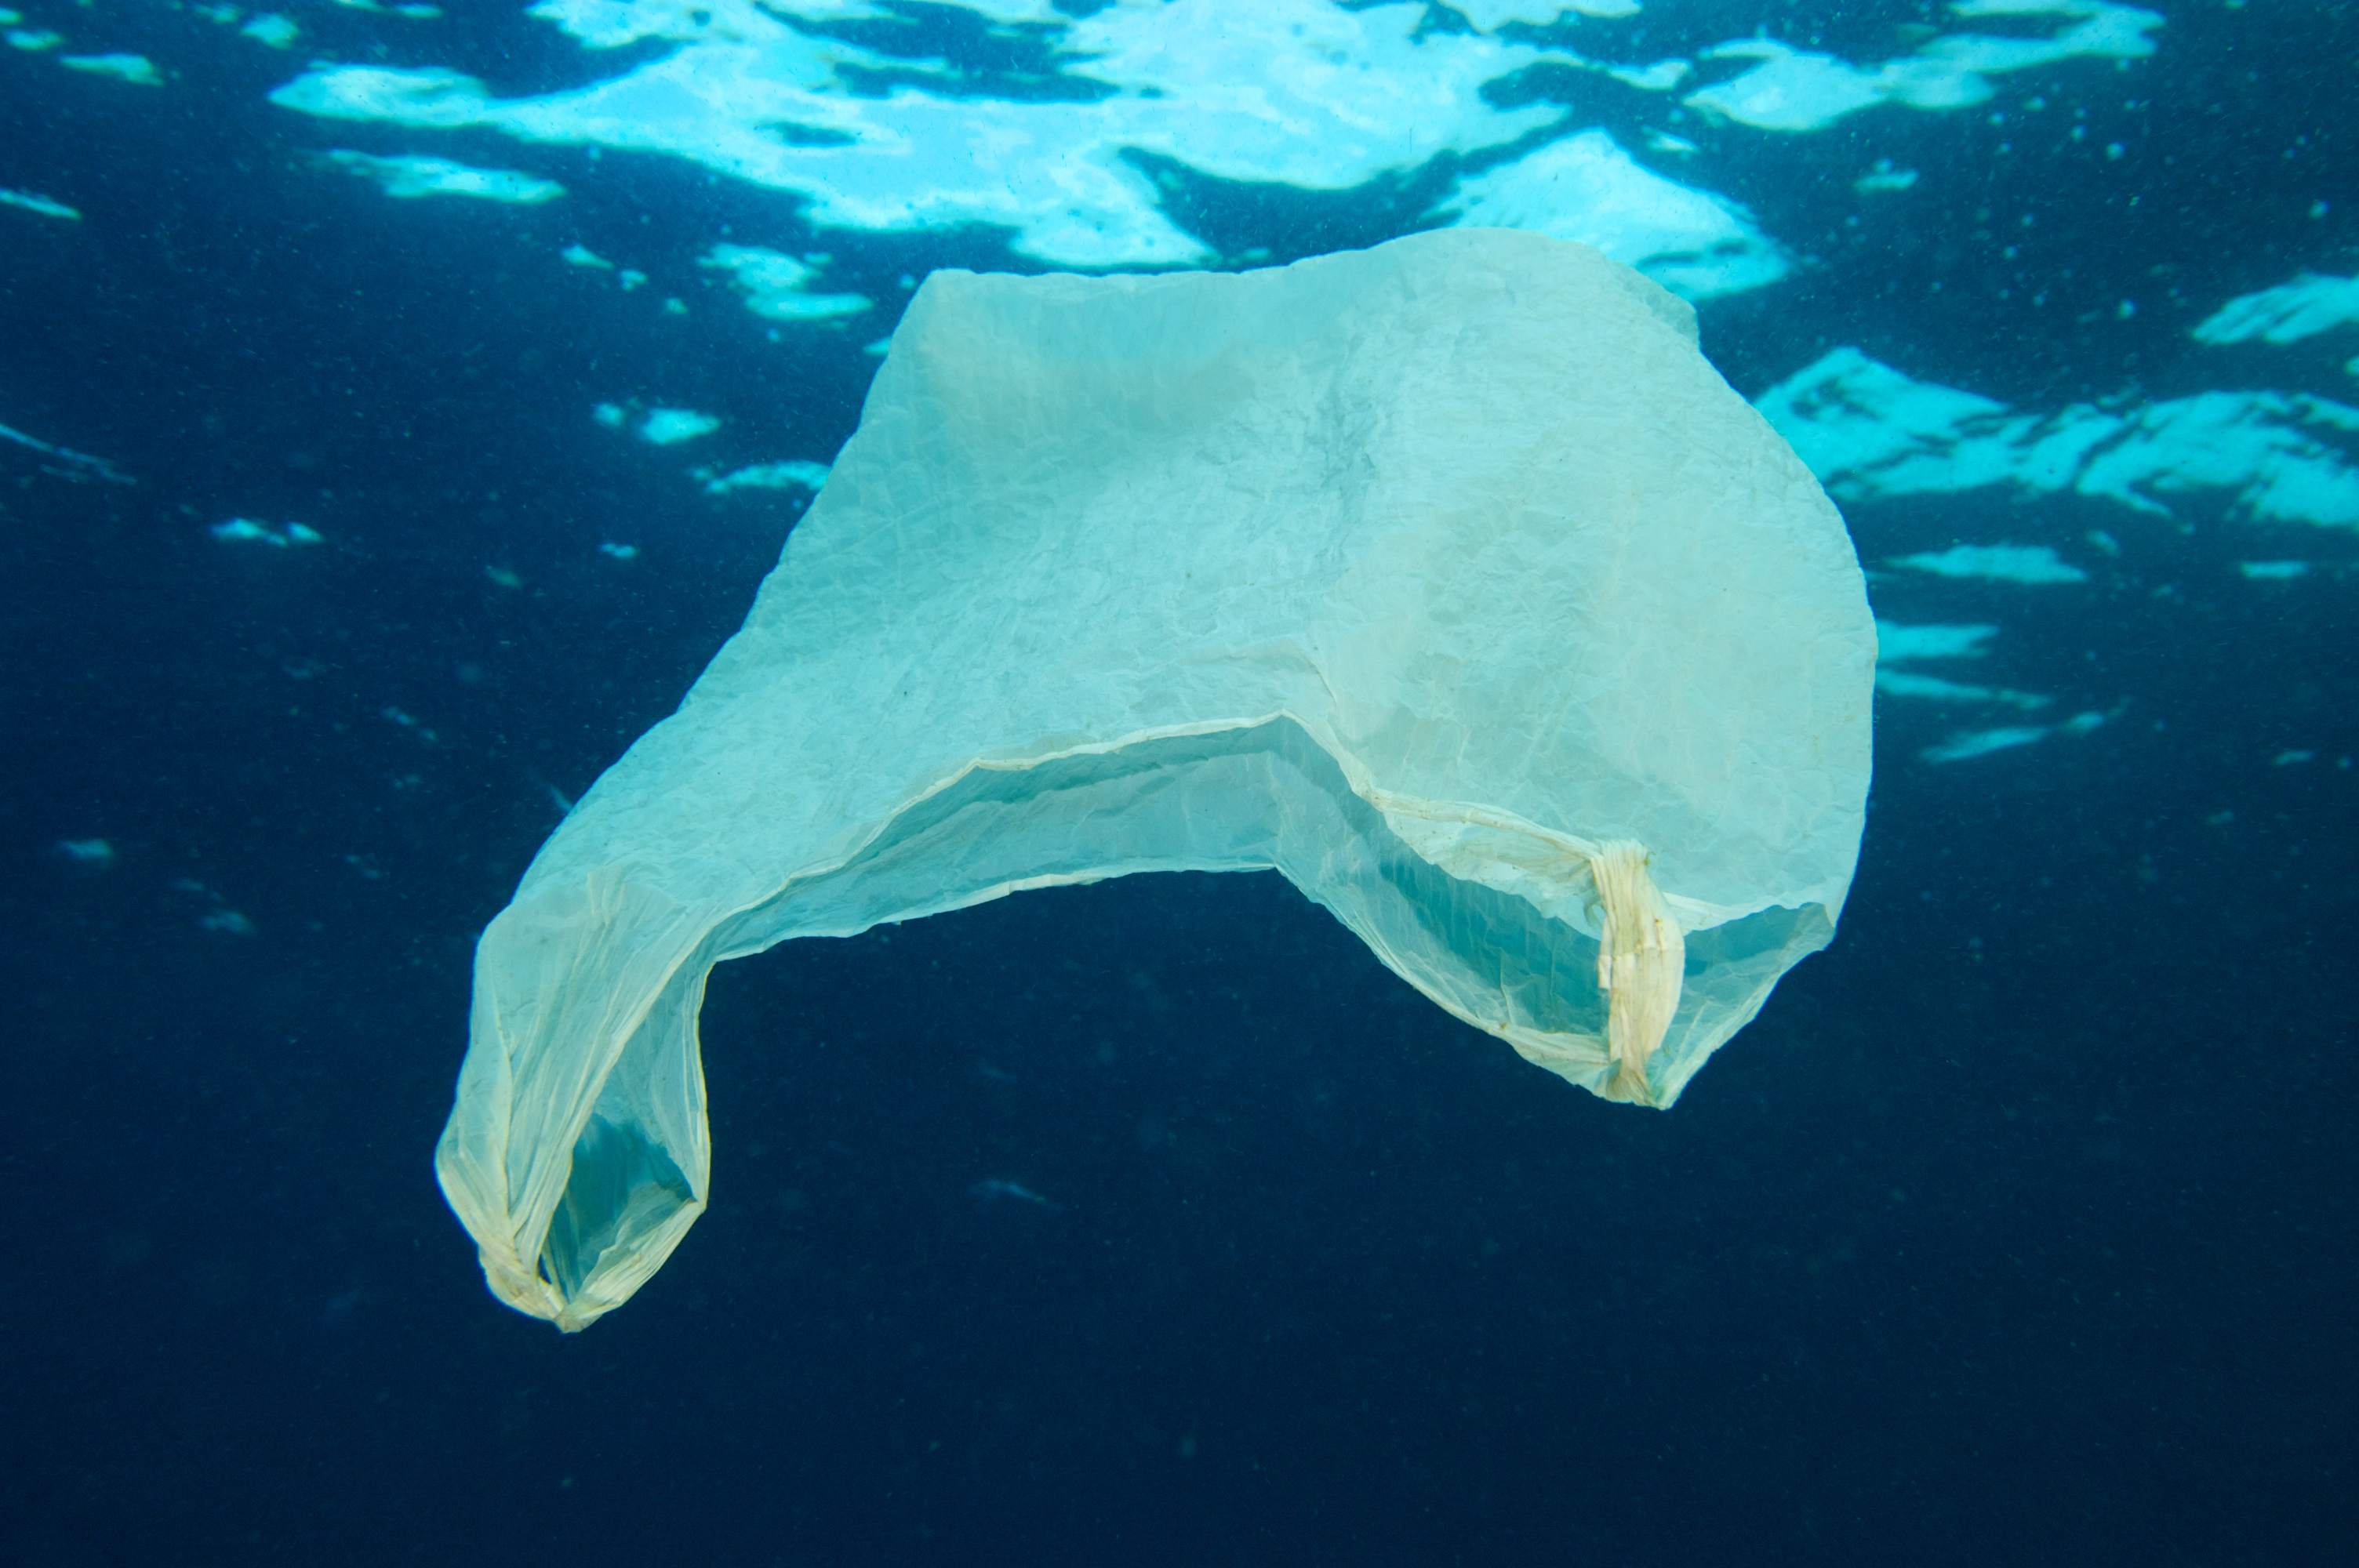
{"x":1446,"y":578}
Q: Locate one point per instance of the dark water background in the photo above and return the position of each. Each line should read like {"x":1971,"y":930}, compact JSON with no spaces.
{"x":2019,"y":1227}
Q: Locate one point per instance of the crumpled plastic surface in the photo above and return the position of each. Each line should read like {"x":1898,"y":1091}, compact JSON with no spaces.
{"x":1446,"y":578}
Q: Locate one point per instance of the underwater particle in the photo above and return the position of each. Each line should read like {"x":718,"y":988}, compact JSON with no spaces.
{"x":96,"y":853}
{"x":426,"y":737}
{"x":220,"y":917}
{"x":611,"y":415}
{"x":2289,"y":758}
{"x":620,"y":552}
{"x":991,"y":1189}
{"x":502,"y":575}
{"x":583,"y":255}
{"x":32,"y":201}
{"x":2272,"y":571}
{"x":245,"y":530}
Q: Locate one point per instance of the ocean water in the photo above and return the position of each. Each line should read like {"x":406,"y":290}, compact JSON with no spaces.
{"x":399,"y":405}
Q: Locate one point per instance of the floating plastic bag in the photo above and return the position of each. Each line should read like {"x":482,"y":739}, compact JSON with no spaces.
{"x":1446,"y":578}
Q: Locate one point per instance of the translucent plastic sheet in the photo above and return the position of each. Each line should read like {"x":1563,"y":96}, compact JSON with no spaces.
{"x":1447,"y":578}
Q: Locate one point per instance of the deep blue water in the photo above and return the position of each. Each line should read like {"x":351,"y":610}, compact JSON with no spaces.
{"x":2019,"y":1228}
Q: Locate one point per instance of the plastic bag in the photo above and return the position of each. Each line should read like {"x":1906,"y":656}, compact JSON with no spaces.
{"x":1446,"y":578}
